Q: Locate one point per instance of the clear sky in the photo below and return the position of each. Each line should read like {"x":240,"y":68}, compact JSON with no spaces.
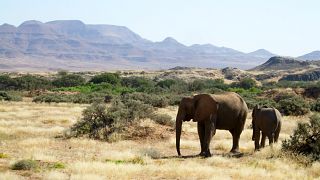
{"x":284,"y":27}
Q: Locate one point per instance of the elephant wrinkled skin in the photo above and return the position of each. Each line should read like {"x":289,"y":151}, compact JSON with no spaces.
{"x":227,"y":111}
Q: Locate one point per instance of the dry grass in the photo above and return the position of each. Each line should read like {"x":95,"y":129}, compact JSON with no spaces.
{"x":29,"y":130}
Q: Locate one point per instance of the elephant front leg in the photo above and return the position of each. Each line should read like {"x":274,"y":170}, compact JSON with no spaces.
{"x":209,"y":132}
{"x":201,"y":132}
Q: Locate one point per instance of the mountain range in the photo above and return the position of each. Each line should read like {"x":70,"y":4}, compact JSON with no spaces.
{"x":73,"y":45}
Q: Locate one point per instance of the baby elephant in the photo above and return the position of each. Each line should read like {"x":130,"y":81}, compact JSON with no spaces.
{"x":267,"y":120}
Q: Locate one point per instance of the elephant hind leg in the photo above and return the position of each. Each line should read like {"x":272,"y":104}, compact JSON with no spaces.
{"x":236,"y":132}
{"x":276,"y":133}
{"x":201,"y":133}
{"x":271,"y":138}
{"x":263,"y":140}
{"x":257,"y":139}
{"x":235,"y":140}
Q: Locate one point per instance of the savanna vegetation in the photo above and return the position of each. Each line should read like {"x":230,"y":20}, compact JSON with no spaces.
{"x":93,"y":126}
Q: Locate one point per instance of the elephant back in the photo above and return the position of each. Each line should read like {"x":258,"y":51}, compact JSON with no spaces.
{"x":232,"y":110}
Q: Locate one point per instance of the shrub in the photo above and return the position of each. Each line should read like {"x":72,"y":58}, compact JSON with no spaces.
{"x":163,"y":119}
{"x":167,"y":83}
{"x":7,"y":83}
{"x":25,"y":165}
{"x":31,"y":82}
{"x":174,"y":99}
{"x":69,"y":80}
{"x":125,"y":110}
{"x":151,"y":152}
{"x":7,"y":96}
{"x":245,"y":83}
{"x":95,"y":122}
{"x":293,"y":105}
{"x":198,"y":85}
{"x":151,"y":99}
{"x":179,"y":88}
{"x":84,"y":98}
{"x":315,"y":106}
{"x":305,"y":139}
{"x":141,"y":84}
{"x":251,"y":97}
{"x":111,"y":78}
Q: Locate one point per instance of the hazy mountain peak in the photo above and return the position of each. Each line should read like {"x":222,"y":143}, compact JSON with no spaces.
{"x":67,"y":22}
{"x":170,"y":40}
{"x":261,"y":52}
{"x":7,"y":28}
{"x":30,"y":22}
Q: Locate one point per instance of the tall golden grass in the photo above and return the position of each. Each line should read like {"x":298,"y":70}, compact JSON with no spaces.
{"x":29,"y":131}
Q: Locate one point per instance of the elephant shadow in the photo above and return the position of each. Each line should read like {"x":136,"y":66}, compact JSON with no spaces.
{"x":228,"y":155}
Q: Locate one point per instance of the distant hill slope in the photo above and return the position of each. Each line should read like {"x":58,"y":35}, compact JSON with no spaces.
{"x":73,"y":45}
{"x":315,"y":55}
{"x":262,"y":53}
{"x":282,"y":63}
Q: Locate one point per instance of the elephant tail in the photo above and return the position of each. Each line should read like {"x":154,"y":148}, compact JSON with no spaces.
{"x":277,"y":124}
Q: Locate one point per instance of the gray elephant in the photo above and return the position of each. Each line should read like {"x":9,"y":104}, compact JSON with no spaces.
{"x":267,"y":120}
{"x":227,"y":111}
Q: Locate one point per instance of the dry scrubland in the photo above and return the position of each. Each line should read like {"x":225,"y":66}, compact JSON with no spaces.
{"x":31,"y":131}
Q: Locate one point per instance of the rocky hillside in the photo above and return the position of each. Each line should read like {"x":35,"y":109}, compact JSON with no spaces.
{"x":282,"y":63}
{"x":312,"y":75}
{"x":73,"y":45}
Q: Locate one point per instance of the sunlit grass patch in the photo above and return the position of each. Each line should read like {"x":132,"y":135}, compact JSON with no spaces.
{"x":3,"y":155}
{"x":135,"y":160}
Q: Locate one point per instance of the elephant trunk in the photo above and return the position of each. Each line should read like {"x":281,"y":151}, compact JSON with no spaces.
{"x":178,"y":132}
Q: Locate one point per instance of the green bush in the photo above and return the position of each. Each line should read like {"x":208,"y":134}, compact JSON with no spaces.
{"x":151,"y":99}
{"x":305,"y":139}
{"x":111,"y":78}
{"x":293,"y":105}
{"x":174,"y":99}
{"x":141,"y":84}
{"x":95,"y":122}
{"x":128,"y":110}
{"x":25,"y":165}
{"x":82,"y":98}
{"x":31,"y":82}
{"x":69,"y":80}
{"x":167,"y":83}
{"x":251,"y":97}
{"x":163,"y":119}
{"x":9,"y":96}
{"x":7,"y":83}
{"x":179,"y":87}
{"x":315,"y":106}
{"x":199,"y":85}
{"x":245,"y":83}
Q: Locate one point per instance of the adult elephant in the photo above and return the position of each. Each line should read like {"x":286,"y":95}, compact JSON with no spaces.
{"x":227,"y":111}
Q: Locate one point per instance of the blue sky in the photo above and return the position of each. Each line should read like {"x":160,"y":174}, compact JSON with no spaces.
{"x":284,"y":27}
